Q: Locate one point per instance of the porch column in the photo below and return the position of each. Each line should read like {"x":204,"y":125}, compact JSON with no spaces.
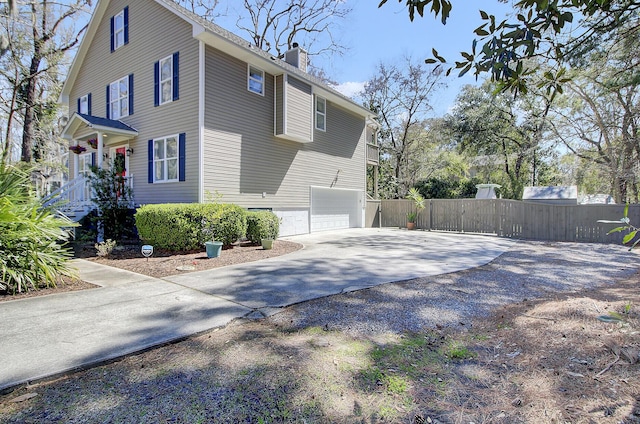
{"x":100,"y":151}
{"x":76,"y":164}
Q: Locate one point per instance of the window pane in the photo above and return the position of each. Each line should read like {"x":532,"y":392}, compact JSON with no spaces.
{"x":320,"y":105}
{"x":115,"y":95}
{"x":165,"y":72}
{"x":119,"y":21}
{"x":167,"y":94}
{"x":84,"y":104}
{"x":172,"y":148}
{"x":158,"y":151}
{"x":115,"y":112}
{"x":172,"y":169}
{"x":159,"y":171}
{"x":124,"y":107}
{"x":119,"y":39}
{"x":255,"y":86}
{"x":124,"y":87}
{"x":320,"y":121}
{"x":255,"y":74}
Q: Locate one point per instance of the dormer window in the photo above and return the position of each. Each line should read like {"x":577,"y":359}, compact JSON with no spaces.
{"x":256,"y":80}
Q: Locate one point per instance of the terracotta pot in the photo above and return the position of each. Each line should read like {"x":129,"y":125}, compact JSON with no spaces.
{"x":411,"y":225}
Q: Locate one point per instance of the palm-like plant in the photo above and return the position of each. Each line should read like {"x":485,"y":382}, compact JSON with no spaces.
{"x":32,"y":253}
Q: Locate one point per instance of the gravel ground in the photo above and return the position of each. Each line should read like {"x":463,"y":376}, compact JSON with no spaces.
{"x":528,"y":270}
{"x":384,"y":358}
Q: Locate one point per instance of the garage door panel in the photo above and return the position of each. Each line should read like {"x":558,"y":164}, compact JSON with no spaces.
{"x":333,"y":209}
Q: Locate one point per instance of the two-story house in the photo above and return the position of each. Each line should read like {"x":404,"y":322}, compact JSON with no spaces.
{"x":186,"y":109}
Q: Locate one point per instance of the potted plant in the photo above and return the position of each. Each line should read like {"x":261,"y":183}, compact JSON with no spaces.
{"x":411,"y":220}
{"x":212,"y":246}
{"x":93,"y":142}
{"x":271,"y":230}
{"x":418,"y":204}
{"x":77,"y":149}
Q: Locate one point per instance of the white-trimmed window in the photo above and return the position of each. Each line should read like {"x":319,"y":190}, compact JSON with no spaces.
{"x":321,"y":114}
{"x":165,"y":159}
{"x":166,"y":80}
{"x":119,"y":98}
{"x":256,"y":80}
{"x":118,"y":30}
{"x":84,"y":105}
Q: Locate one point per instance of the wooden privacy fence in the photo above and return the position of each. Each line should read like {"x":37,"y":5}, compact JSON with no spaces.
{"x":512,"y":218}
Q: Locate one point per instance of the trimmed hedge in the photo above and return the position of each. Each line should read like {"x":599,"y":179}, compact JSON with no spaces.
{"x":262,"y":225}
{"x":186,"y":226}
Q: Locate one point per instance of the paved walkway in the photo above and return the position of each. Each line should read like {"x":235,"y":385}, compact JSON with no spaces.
{"x":48,"y":335}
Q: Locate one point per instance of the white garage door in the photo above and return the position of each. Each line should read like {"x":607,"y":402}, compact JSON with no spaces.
{"x":333,"y":208}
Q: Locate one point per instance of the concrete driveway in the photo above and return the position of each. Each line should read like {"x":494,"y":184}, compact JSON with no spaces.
{"x":346,"y":260}
{"x":49,"y":335}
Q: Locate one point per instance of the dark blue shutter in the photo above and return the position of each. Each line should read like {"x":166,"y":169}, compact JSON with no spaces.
{"x":126,"y":25}
{"x":181,"y":156}
{"x":79,"y":102}
{"x":150,"y":170}
{"x":108,"y":102}
{"x":93,"y":159}
{"x":156,"y":84}
{"x":89,"y":104}
{"x":130,"y":94}
{"x":176,"y":72}
{"x":113,"y":33}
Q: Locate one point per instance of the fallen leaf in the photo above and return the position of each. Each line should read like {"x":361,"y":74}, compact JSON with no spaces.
{"x":24,"y":397}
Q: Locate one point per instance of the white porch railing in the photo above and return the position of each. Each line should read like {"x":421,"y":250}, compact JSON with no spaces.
{"x":74,"y":198}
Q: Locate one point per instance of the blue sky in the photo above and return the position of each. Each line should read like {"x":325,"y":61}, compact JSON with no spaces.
{"x":386,"y":34}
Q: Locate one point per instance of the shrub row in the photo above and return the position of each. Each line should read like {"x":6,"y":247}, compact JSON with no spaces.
{"x":186,"y":226}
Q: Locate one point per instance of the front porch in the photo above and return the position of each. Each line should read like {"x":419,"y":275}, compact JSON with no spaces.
{"x":95,"y":142}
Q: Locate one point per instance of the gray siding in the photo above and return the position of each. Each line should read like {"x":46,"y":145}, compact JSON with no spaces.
{"x":243,"y":159}
{"x":299,"y":109}
{"x":279,"y":104}
{"x":154,"y":33}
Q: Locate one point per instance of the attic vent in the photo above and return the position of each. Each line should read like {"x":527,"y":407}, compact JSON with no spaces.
{"x":296,"y":57}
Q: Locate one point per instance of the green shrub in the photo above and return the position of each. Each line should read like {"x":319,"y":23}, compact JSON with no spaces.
{"x":32,"y":251}
{"x":262,"y":225}
{"x":177,"y":226}
{"x":231,"y":224}
{"x":112,"y":197}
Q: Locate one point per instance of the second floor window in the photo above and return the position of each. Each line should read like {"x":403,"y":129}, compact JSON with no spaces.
{"x":166,"y":80}
{"x":120,"y":29}
{"x":119,"y":98}
{"x":321,"y":114}
{"x":256,"y":80}
{"x":84,"y":104}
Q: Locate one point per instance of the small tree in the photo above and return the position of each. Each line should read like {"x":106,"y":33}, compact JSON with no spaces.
{"x":418,"y":204}
{"x":32,"y":251}
{"x":113,"y":197}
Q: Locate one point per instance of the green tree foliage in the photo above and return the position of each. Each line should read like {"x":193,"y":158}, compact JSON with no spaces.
{"x":32,"y":251}
{"x":501,"y":133}
{"x":38,"y":34}
{"x":448,"y":188}
{"x":550,"y":31}
{"x":598,"y":117}
{"x":401,"y":94}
